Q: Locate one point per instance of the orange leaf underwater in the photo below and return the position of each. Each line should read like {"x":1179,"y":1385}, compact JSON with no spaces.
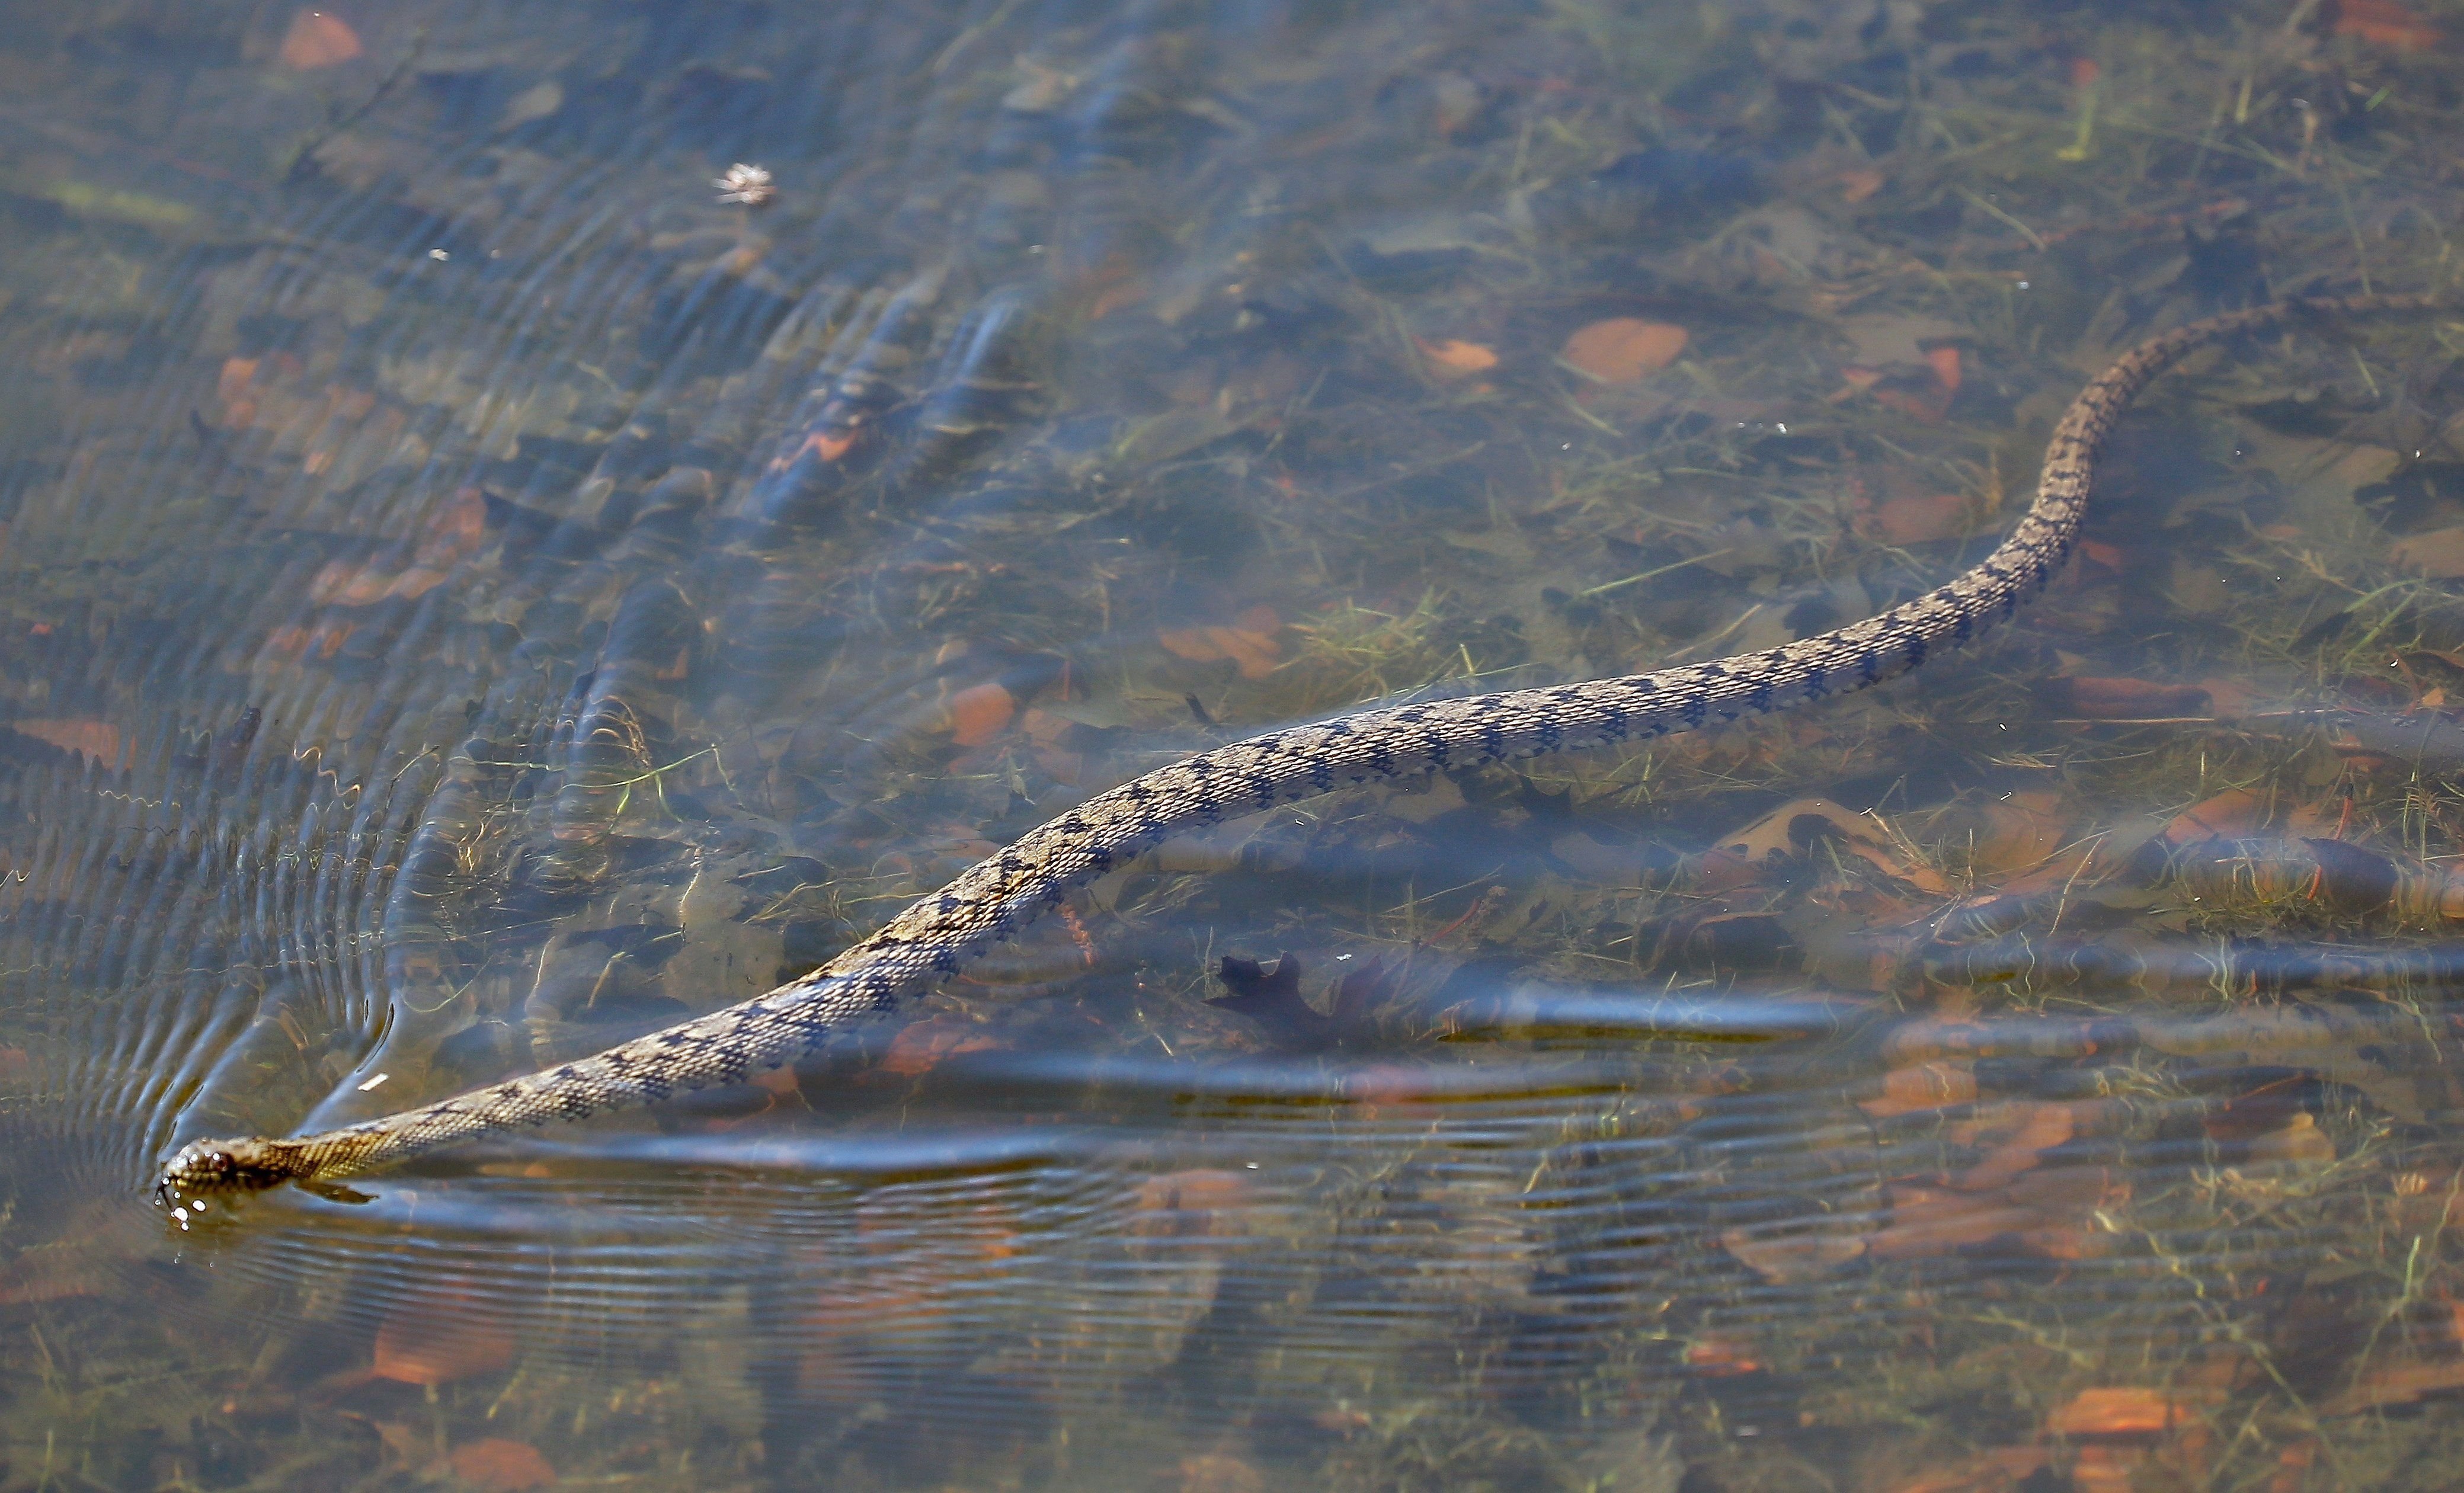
{"x":1456,"y":360}
{"x":2385,"y":23}
{"x":979,"y":712}
{"x":434,"y":1340}
{"x":99,"y":739}
{"x":318,"y":39}
{"x":1622,"y":349}
{"x":501,"y":1466}
{"x":1250,"y":642}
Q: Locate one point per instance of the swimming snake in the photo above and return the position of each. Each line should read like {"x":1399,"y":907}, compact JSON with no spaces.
{"x":940,"y":933}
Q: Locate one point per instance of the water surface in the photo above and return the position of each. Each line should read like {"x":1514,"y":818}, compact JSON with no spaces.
{"x":473,"y":596}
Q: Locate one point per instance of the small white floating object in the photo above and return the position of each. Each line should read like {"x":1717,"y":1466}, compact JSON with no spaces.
{"x":374,"y":1082}
{"x":749,"y":185}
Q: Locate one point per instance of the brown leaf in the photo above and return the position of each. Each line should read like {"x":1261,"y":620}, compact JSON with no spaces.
{"x":2438,"y":553}
{"x":1859,"y":185}
{"x":2022,"y":830}
{"x":2125,"y":1411}
{"x":439,"y":1338}
{"x":319,"y":38}
{"x":502,"y":1466}
{"x":1791,"y":829}
{"x":939,"y":1234}
{"x":1453,"y":359}
{"x":2122,"y":699}
{"x":99,"y":739}
{"x":454,"y":532}
{"x":1250,"y":642}
{"x":2231,"y":815}
{"x":1219,"y":1474}
{"x":1929,"y":405}
{"x":2297,"y":1141}
{"x":1199,"y":1202}
{"x":926,"y":1046}
{"x":1916,"y":520}
{"x":979,"y":712}
{"x":1926,"y":1085}
{"x":1622,"y":349}
{"x":1945,"y":362}
{"x":1997,"y":1471}
{"x":1802,"y":1255}
{"x":1932,"y":1221}
{"x":53,"y":1272}
{"x":1721,"y":1355}
{"x":2040,"y":1129}
{"x":2397,"y":1382}
{"x":2385,"y":23}
{"x":231,"y":384}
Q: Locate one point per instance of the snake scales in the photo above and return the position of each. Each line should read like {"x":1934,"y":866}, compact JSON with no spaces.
{"x":935,"y":937}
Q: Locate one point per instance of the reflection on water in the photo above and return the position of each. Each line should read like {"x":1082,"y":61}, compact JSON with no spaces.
{"x":475,"y":595}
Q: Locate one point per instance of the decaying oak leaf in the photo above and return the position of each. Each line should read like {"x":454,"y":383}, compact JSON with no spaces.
{"x":1796,"y":828}
{"x":1797,"y":1255}
{"x":441,"y":1337}
{"x":1250,"y":642}
{"x":1217,"y":1473}
{"x":2015,"y":1148}
{"x":979,"y":712}
{"x":1944,"y":361}
{"x":319,"y":38}
{"x":2020,"y":830}
{"x":99,"y":739}
{"x":927,"y":1045}
{"x":2002,"y":1470}
{"x":2128,"y":1412}
{"x":2397,"y":1381}
{"x":1916,"y":520}
{"x":1623,"y":349}
{"x":1922,"y":1087}
{"x":2385,"y":23}
{"x":1199,"y":1202}
{"x":1721,"y":1355}
{"x":2233,"y":814}
{"x":1934,"y":1220}
{"x":1454,"y":358}
{"x":501,"y":1466}
{"x":2122,"y":699}
{"x":2437,"y":552}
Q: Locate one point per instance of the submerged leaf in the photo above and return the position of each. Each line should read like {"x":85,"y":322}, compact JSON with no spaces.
{"x":2123,"y":1412}
{"x":1622,"y":349}
{"x":979,"y":712}
{"x":1452,"y":359}
{"x":436,"y":1339}
{"x":319,"y":38}
{"x":2385,"y":23}
{"x":501,"y":1466}
{"x":99,"y":739}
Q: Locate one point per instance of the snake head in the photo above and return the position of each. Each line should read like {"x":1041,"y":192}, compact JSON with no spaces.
{"x":226,"y":1166}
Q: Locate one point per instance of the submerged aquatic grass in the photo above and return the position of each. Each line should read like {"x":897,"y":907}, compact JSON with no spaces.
{"x":474,"y":598}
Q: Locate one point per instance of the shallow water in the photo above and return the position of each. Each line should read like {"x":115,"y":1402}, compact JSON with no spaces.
{"x":473,"y":596}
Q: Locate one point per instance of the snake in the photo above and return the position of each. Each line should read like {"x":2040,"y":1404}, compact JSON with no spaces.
{"x":937,"y":936}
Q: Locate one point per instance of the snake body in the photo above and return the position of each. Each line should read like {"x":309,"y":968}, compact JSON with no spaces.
{"x":939,"y":934}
